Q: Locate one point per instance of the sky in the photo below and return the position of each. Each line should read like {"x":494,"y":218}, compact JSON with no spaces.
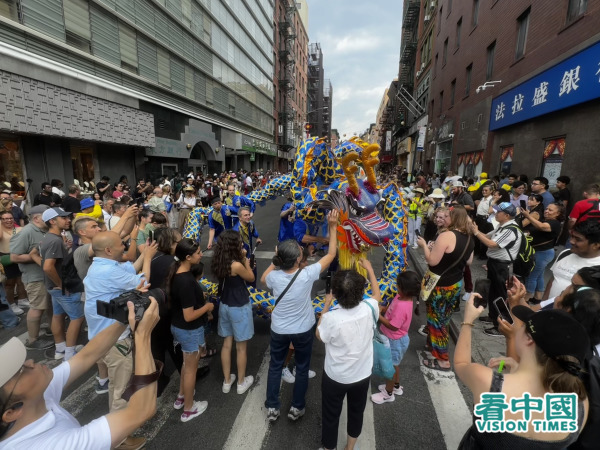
{"x":360,"y":41}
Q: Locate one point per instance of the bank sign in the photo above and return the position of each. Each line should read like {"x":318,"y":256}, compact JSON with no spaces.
{"x":575,"y":80}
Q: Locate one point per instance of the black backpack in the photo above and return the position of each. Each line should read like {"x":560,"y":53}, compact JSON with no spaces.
{"x":524,"y":263}
{"x":590,"y":435}
{"x":69,"y":276}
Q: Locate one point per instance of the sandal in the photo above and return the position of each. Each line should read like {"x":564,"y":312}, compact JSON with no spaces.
{"x":433,"y":364}
{"x":210,"y":352}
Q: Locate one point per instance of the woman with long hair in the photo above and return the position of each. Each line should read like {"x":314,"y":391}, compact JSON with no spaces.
{"x":292,"y":319}
{"x":551,"y":346}
{"x":189,"y":312}
{"x":544,"y":234}
{"x":232,"y":269}
{"x":535,"y":208}
{"x":451,"y":252}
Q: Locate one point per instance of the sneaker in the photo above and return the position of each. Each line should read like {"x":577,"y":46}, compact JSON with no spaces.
{"x":78,"y":348}
{"x":486,"y":319}
{"x":38,"y":344}
{"x":311,"y":373}
{"x":382,"y":397}
{"x":272,"y":414}
{"x":197,"y":409}
{"x":287,"y":375}
{"x":178,"y":404}
{"x":397,"y":390}
{"x":15,"y":308}
{"x":59,"y":355}
{"x":101,"y":388}
{"x":466,"y":296}
{"x":492,"y":332}
{"x":227,"y":386}
{"x":23,"y":303}
{"x":415,"y":247}
{"x":242,"y":388}
{"x":46,"y":332}
{"x":423,"y":330}
{"x":295,"y":413}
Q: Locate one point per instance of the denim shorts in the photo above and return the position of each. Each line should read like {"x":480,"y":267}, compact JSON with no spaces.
{"x":398,"y":347}
{"x":69,"y":304}
{"x":236,"y":321}
{"x":190,"y":340}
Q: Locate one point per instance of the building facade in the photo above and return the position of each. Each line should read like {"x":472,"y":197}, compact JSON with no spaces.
{"x":320,"y":95}
{"x":135,"y":87}
{"x":291,"y":80}
{"x":515,"y":88}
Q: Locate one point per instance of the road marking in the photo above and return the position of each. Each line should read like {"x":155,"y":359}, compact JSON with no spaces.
{"x":81,"y":397}
{"x":451,"y":410}
{"x":251,"y":426}
{"x":164,"y":409}
{"x":367,"y":435}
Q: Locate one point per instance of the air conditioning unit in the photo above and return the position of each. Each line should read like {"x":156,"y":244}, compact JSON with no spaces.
{"x":422,"y":66}
{"x":418,"y":74}
{"x":432,"y":4}
{"x":427,"y":18}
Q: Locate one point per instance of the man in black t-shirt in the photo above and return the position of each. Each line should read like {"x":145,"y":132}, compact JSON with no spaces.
{"x":103,"y":185}
{"x":563,"y":195}
{"x":71,"y":201}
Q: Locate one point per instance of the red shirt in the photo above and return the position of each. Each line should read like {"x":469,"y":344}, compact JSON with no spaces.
{"x":581,"y":207}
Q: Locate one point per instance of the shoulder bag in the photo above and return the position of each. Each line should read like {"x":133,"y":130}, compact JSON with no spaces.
{"x":382,"y":355}
{"x":286,"y":289}
{"x":430,"y":279}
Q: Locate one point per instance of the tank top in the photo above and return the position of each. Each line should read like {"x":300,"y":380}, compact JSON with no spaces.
{"x":455,"y":274}
{"x":473,"y":439}
{"x":234,"y":291}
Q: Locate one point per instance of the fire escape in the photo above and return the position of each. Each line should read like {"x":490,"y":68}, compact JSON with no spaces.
{"x":287,"y":81}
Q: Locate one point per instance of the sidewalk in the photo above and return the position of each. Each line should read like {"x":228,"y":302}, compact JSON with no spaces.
{"x":483,"y":347}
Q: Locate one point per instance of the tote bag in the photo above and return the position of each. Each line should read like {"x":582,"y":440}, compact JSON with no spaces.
{"x":382,"y":355}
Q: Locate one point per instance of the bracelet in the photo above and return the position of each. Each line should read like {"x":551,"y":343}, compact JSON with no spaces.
{"x":471,"y":324}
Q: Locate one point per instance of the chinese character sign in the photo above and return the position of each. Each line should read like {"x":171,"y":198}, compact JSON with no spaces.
{"x":573,"y":81}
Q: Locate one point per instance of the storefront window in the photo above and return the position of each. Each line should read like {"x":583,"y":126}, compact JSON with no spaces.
{"x":82,"y":160}
{"x":11,"y":166}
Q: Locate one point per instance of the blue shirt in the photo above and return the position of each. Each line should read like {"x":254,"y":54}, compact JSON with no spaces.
{"x":227,"y":213}
{"x":301,"y":228}
{"x":548,"y":198}
{"x":286,"y":227}
{"x":105,"y":280}
{"x":247,"y":235}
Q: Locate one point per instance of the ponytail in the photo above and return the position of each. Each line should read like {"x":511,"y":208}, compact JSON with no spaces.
{"x":561,"y":374}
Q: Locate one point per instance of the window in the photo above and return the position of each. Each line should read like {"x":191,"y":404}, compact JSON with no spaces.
{"x":445,"y":54}
{"x":441,"y":101}
{"x":475,"y":19}
{"x":9,"y":9}
{"x":82,"y":162}
{"x":440,"y":19}
{"x":452,"y":90}
{"x":77,"y":24}
{"x":458,"y":29}
{"x":576,"y":8}
{"x":522,"y":27}
{"x":554,"y":149}
{"x":11,"y":164}
{"x":435,"y":65}
{"x":128,"y":48}
{"x":489,"y":72}
{"x":468,"y":79}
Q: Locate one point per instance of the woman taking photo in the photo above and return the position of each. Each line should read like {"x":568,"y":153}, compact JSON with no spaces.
{"x":535,"y":208}
{"x":293,"y":317}
{"x":185,"y":203}
{"x":451,"y":252}
{"x":347,"y":332}
{"x":188,"y":316}
{"x":232,"y":269}
{"x":551,"y":346}
{"x":544,"y":236}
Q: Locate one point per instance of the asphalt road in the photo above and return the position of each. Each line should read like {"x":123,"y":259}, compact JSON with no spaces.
{"x":433,"y":412}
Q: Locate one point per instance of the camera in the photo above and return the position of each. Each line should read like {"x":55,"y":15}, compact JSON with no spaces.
{"x":117,"y":307}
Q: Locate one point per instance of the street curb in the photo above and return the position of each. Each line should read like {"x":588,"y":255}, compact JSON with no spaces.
{"x":415,"y":263}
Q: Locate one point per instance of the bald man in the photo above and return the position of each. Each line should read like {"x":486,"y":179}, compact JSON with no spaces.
{"x":107,"y":278}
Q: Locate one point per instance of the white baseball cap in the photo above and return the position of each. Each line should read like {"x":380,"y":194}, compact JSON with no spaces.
{"x":51,"y":213}
{"x":12,"y":355}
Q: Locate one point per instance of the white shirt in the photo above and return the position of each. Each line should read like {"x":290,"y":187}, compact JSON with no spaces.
{"x":564,"y":269}
{"x":483,"y":209}
{"x":294,"y":313}
{"x":348,"y":338}
{"x":57,"y":429}
{"x":248,"y":181}
{"x":504,"y":237}
{"x":112,"y":222}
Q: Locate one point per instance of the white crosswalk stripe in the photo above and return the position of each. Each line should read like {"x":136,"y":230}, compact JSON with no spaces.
{"x":451,"y":409}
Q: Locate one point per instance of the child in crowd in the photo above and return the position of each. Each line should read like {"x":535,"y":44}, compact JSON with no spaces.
{"x":395,"y":324}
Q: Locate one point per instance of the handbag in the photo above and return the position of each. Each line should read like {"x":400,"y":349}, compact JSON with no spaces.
{"x":168,"y":206}
{"x":382,"y":355}
{"x":430,"y":279}
{"x":286,"y":289}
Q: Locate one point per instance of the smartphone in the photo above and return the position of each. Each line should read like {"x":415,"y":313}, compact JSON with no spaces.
{"x":151,"y":235}
{"x":482,"y":287}
{"x":418,"y":233}
{"x":328,"y":282}
{"x":510,"y":282}
{"x":503,"y":310}
{"x":523,"y":204}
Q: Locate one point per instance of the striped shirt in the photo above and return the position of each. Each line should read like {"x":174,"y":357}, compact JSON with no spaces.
{"x":505,"y":237}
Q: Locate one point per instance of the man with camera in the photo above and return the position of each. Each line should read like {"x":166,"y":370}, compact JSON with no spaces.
{"x":107,"y":278}
{"x":30,"y":393}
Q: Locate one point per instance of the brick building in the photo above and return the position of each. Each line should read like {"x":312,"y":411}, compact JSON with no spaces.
{"x":499,"y":98}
